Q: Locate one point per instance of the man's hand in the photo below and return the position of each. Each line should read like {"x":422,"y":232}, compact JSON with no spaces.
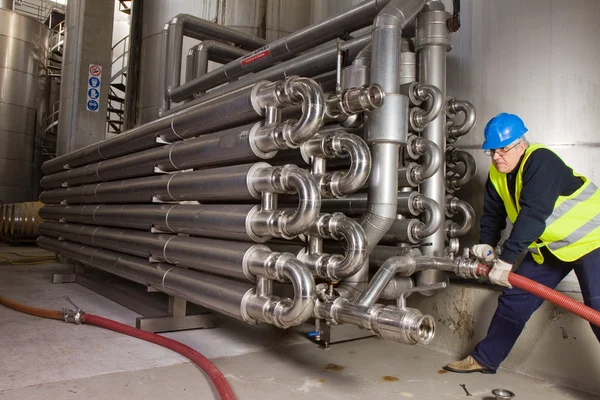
{"x":484,"y":252}
{"x":499,"y":273}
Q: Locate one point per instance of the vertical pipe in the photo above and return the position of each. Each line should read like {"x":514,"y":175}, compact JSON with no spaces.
{"x":432,"y":41}
{"x":201,"y":56}
{"x":132,"y":89}
{"x":190,"y":63}
{"x":162,"y":103}
{"x":173,"y":52}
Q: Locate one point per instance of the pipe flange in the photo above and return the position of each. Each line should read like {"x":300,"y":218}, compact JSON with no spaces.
{"x":250,"y":177}
{"x":249,"y":221}
{"x":411,"y":147}
{"x":244,"y":307}
{"x":245,"y":261}
{"x":254,"y":97}
{"x":414,"y":117}
{"x":252,"y":141}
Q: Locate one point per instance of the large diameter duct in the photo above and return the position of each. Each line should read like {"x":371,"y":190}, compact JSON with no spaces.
{"x":432,"y":42}
{"x":387,"y":127}
{"x":23,"y":103}
{"x":283,"y":49}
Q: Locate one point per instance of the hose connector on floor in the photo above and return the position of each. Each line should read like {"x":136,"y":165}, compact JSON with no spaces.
{"x":74,"y":317}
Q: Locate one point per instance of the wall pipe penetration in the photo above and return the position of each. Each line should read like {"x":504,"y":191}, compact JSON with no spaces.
{"x":314,"y":157}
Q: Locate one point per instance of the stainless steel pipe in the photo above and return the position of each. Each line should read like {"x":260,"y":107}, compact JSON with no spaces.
{"x":454,"y":206}
{"x":454,"y":180}
{"x":432,"y":41}
{"x":340,"y":144}
{"x":283,"y":49}
{"x":220,"y":113}
{"x":207,"y":220}
{"x":310,"y":64}
{"x":453,"y":129}
{"x":337,"y":267}
{"x":225,"y":296}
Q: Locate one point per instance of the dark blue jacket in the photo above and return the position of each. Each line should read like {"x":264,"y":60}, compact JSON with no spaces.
{"x":545,"y":178}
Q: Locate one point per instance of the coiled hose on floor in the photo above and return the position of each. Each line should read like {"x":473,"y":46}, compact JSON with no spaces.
{"x":204,"y":363}
{"x":544,"y":292}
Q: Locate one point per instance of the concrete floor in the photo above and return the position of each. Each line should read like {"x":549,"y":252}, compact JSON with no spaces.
{"x":43,"y":359}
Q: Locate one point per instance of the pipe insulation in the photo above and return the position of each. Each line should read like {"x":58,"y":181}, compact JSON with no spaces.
{"x":283,"y":49}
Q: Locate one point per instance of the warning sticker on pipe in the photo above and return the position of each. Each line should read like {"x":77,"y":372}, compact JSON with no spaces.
{"x":255,"y":56}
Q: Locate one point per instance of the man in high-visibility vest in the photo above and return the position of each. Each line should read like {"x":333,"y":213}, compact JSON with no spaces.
{"x":555,"y":214}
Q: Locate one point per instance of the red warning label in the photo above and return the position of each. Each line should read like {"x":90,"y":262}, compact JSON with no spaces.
{"x":255,"y":56}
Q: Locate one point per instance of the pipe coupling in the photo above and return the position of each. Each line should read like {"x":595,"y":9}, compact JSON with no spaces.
{"x":354,"y":101}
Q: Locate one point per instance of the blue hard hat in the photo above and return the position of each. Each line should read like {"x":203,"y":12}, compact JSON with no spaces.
{"x":502,"y":130}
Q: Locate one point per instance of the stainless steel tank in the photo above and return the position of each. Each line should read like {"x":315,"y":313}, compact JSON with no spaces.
{"x":270,"y":19}
{"x":536,"y":59}
{"x":23,"y":104}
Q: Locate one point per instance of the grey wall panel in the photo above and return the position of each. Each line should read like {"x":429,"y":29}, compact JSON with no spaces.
{"x":535,"y":58}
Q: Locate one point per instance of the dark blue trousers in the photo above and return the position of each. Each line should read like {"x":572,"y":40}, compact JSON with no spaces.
{"x":515,"y":306}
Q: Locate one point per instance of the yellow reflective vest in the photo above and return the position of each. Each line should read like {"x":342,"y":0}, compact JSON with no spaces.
{"x":573,"y":228}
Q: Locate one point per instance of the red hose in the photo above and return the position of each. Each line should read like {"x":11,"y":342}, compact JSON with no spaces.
{"x":208,"y":367}
{"x":544,"y":292}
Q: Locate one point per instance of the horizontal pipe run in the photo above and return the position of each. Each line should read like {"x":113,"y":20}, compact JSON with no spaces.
{"x":201,"y":29}
{"x":216,"y":293}
{"x":233,"y":298}
{"x":311,"y":64}
{"x":283,"y":49}
{"x":227,"y":111}
{"x":214,"y":256}
{"x":218,"y":184}
{"x":404,"y":325}
{"x":221,"y":221}
{"x":218,"y":149}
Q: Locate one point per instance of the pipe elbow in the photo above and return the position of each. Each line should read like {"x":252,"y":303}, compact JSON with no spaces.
{"x":347,"y":229}
{"x":293,"y":312}
{"x":312,"y":97}
{"x":398,"y":13}
{"x":297,"y":180}
{"x":419,"y":118}
{"x":453,"y":107}
{"x":347,"y":182}
{"x":432,"y":157}
{"x":433,"y":217}
{"x":453,"y":206}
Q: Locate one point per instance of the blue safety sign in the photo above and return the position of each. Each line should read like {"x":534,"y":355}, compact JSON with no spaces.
{"x":92,"y":105}
{"x":94,"y":82}
{"x":93,"y":93}
{"x":93,"y":89}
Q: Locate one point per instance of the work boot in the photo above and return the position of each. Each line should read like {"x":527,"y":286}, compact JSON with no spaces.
{"x":468,"y":365}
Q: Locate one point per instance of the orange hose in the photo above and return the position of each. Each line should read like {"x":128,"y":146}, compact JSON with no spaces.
{"x":38,"y":312}
{"x":204,"y":363}
{"x":544,"y":292}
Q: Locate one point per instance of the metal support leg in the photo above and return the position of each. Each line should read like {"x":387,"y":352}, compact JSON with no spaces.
{"x":68,"y":277}
{"x":176,"y":319}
